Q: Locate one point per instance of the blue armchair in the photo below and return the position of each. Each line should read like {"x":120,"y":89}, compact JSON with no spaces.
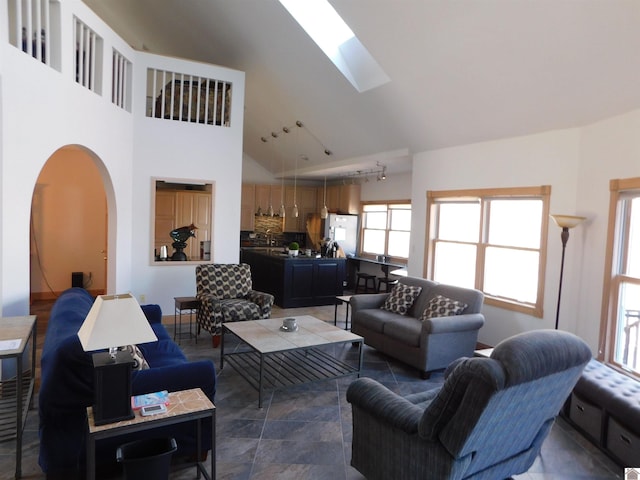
{"x":488,"y":421}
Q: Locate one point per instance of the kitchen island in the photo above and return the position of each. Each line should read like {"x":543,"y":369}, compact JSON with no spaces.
{"x":300,"y":281}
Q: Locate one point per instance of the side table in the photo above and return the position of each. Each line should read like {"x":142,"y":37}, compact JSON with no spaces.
{"x":184,"y":406}
{"x":183,"y":304}
{"x":15,"y":334}
{"x":339,"y":301}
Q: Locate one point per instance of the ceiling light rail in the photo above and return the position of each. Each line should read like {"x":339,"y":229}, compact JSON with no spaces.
{"x":301,"y":125}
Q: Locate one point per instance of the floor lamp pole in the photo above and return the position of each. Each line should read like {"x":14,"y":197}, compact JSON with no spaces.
{"x":564,"y":236}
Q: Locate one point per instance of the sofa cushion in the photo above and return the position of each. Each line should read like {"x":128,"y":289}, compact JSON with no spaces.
{"x":374,"y":319}
{"x":441,"y":306}
{"x":401,"y":298}
{"x":404,"y":329}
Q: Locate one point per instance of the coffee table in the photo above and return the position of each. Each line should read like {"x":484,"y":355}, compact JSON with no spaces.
{"x":274,"y":358}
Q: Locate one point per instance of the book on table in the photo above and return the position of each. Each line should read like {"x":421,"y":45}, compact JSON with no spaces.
{"x":146,"y":399}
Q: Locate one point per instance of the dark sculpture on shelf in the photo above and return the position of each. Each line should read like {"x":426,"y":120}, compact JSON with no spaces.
{"x":180,"y":237}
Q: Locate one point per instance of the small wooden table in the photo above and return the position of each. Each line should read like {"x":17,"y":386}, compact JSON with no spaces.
{"x":190,"y":304}
{"x":184,"y":406}
{"x":15,"y":334}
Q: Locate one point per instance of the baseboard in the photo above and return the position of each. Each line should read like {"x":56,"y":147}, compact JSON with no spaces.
{"x":44,"y":296}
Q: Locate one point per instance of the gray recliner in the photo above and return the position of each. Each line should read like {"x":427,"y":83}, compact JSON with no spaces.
{"x":487,"y":421}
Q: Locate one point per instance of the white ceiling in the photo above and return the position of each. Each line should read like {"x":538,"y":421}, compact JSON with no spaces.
{"x":462,"y":71}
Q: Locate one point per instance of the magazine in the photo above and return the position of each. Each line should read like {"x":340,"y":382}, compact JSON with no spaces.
{"x":155,"y":398}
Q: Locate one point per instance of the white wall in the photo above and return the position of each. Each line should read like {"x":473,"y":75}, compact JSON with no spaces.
{"x":546,"y":159}
{"x":578,"y":164}
{"x":42,"y":109}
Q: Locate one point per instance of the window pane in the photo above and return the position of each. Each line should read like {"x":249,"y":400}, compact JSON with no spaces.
{"x":376,"y":220}
{"x":401,"y":220}
{"x":373,"y":241}
{"x":633,"y":262}
{"x":511,"y":274}
{"x":455,"y":264}
{"x":515,"y":223}
{"x":399,"y":244}
{"x":459,"y":221}
{"x":628,"y":328}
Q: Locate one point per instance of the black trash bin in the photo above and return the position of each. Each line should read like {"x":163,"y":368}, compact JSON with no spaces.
{"x":147,"y":458}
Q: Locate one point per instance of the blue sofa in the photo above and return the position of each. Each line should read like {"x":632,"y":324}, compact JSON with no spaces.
{"x":66,"y":389}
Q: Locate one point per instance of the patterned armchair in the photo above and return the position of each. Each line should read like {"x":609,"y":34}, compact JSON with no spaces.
{"x":487,"y":421}
{"x":225,"y":295}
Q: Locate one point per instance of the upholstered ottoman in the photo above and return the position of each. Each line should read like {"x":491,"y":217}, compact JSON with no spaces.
{"x":605,"y":405}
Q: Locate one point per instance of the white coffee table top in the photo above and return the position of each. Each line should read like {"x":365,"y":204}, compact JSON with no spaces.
{"x":265,"y":336}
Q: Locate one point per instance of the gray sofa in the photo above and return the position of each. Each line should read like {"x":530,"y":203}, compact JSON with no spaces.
{"x":429,"y":344}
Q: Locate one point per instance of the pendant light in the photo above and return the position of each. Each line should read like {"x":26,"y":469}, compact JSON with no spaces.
{"x":270,"y":209}
{"x":283,"y":211}
{"x":295,"y":173}
{"x":324,"y":213}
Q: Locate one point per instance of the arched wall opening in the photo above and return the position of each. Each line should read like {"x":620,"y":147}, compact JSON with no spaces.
{"x":70,"y":224}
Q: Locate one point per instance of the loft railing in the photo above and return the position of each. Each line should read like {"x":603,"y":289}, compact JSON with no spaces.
{"x":188,"y":98}
{"x":35,"y":28}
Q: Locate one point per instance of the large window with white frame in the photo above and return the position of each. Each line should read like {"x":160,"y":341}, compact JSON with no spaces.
{"x":493,"y":240}
{"x":386,"y":229}
{"x":620,"y":340}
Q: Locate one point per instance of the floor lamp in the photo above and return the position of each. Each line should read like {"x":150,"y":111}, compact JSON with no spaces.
{"x":565,"y":222}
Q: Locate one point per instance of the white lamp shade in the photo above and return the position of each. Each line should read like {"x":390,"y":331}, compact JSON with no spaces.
{"x":567,"y":221}
{"x":115,"y":321}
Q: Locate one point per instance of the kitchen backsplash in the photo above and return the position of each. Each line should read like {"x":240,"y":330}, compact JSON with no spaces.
{"x":269,"y":229}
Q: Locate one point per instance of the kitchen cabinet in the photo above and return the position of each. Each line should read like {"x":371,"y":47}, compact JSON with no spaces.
{"x":248,"y":207}
{"x":343,"y":199}
{"x":296,"y":281}
{"x":306,"y":199}
{"x":194,"y":207}
{"x":165,"y":219}
{"x":266,"y":195}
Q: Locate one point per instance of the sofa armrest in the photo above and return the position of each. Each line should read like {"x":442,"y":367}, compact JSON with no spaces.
{"x":153,"y":312}
{"x":201,"y":374}
{"x":455,"y":323}
{"x":386,"y":406}
{"x":365,"y":302}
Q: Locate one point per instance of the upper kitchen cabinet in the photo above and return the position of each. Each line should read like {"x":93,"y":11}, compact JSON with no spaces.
{"x":248,"y":207}
{"x":305,"y":197}
{"x":177,"y":204}
{"x":343,"y":199}
{"x":267,"y":195}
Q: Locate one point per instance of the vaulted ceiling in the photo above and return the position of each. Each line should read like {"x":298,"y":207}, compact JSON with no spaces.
{"x":462,"y":71}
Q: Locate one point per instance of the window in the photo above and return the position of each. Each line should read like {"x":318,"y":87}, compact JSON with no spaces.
{"x":621,"y":303}
{"x":493,"y":240}
{"x":386,"y":229}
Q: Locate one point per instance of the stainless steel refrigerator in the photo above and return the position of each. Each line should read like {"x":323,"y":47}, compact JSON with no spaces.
{"x":342,"y":229}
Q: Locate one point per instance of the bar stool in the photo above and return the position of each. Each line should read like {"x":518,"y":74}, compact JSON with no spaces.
{"x":389,"y":282}
{"x":366,"y":277}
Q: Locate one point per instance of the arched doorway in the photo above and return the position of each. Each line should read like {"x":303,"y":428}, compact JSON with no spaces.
{"x":68,"y":225}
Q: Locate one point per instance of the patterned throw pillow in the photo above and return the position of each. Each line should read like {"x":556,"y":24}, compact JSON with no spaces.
{"x":440,"y":306}
{"x":138,"y":358}
{"x":401,"y":298}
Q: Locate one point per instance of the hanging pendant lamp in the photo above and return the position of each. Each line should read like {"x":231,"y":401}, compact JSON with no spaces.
{"x":324,"y":213}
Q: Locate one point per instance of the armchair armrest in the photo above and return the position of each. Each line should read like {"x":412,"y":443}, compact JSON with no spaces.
{"x":456,"y":323}
{"x":364,"y":302}
{"x":383,"y":404}
{"x":262,"y":299}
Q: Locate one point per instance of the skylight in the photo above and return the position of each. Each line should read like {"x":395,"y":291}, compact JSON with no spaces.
{"x":334,"y":37}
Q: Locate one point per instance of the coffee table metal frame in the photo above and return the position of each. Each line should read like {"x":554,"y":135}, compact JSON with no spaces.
{"x":282,"y":359}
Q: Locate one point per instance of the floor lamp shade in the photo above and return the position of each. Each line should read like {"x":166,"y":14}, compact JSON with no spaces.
{"x":112,"y":322}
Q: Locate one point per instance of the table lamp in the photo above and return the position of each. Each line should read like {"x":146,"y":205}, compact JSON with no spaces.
{"x":112,"y":322}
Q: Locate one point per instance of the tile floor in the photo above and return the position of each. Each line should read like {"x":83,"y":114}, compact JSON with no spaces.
{"x":305,"y":432}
